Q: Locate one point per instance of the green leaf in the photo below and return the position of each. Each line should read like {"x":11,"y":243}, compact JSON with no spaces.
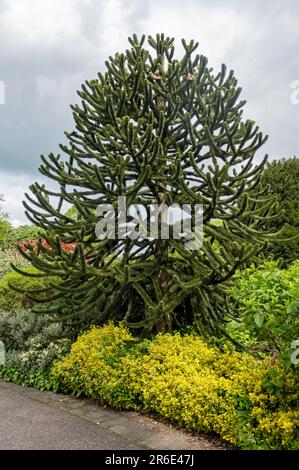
{"x":259,"y":319}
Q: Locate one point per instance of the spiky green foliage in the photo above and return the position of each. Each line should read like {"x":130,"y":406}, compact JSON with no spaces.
{"x":155,"y":129}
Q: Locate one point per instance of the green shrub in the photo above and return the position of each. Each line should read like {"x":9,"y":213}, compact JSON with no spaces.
{"x":239,"y":332}
{"x":22,"y":234}
{"x":33,"y":367}
{"x":5,"y":227}
{"x":10,"y":298}
{"x":268,"y":300}
{"x":11,"y":256}
{"x":32,"y":344}
{"x":280,"y":178}
{"x":17,"y":327}
{"x":186,"y":381}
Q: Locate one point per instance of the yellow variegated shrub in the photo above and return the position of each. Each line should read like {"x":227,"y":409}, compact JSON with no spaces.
{"x":193,"y":384}
{"x":183,"y":379}
{"x":92,"y":367}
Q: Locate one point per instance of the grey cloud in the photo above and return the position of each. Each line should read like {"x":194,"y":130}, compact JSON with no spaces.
{"x":259,"y":40}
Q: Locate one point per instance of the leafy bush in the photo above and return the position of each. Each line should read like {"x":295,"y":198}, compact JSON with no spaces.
{"x":33,"y":367}
{"x":4,"y":231}
{"x":11,"y":256}
{"x":32,"y":344}
{"x":238,"y":332}
{"x":281,"y":178}
{"x":268,"y":300}
{"x":22,"y":233}
{"x":17,"y":327}
{"x":10,"y":298}
{"x":4,"y":225}
{"x":185,"y":380}
{"x":99,"y":349}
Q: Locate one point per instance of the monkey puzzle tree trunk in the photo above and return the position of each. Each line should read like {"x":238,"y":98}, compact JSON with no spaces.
{"x":162,"y":323}
{"x":151,"y":128}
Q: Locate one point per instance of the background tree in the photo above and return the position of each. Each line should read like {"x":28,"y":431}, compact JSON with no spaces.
{"x":22,"y":233}
{"x":280,"y":178}
{"x":4,"y":225}
{"x":155,"y":129}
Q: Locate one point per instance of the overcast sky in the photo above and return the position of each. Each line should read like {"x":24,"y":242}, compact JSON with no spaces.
{"x":49,"y":47}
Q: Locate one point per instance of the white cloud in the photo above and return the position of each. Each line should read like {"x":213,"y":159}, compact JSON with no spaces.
{"x":43,"y":21}
{"x":114,"y":26}
{"x":215,"y":28}
{"x":13,"y":187}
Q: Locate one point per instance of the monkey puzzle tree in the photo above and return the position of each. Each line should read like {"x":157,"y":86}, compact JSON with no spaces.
{"x":156,"y":130}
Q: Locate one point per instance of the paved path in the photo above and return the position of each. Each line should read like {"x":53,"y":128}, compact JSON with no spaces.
{"x":31,"y":419}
